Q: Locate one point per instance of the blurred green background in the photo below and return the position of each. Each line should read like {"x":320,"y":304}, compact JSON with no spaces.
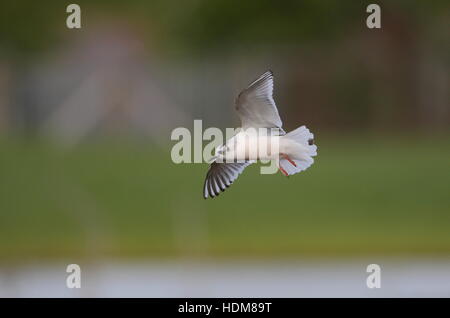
{"x":86,"y":115}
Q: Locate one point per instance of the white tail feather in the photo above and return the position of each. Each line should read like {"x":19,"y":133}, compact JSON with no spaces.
{"x":299,"y":146}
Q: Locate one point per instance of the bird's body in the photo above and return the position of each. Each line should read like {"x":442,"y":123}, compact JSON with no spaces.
{"x":261,"y":138}
{"x":245,"y":145}
{"x":254,"y":146}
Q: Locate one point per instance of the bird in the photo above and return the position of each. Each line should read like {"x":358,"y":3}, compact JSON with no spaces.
{"x":257,"y":111}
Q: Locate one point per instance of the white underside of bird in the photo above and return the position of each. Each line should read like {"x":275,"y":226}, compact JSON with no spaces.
{"x":260,"y":138}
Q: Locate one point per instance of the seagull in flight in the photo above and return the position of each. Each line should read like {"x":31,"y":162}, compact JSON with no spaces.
{"x":258,"y":112}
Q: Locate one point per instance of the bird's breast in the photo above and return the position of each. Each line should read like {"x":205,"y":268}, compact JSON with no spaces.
{"x":253,"y":147}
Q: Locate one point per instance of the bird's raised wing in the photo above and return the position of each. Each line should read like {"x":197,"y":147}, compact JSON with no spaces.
{"x":255,"y":104}
{"x":220,"y":176}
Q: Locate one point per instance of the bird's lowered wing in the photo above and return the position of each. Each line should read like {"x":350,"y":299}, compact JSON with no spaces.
{"x":220,"y":176}
{"x":255,"y":104}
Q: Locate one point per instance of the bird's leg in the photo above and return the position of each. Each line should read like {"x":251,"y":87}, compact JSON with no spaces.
{"x":283,"y":171}
{"x":285,"y":156}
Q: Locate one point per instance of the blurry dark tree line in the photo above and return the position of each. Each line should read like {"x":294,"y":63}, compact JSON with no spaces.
{"x":335,"y":72}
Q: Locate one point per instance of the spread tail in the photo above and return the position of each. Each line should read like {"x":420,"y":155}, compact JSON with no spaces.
{"x":301,"y":144}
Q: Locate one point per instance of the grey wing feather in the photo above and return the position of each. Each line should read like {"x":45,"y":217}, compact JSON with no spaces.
{"x":220,"y":176}
{"x":255,"y":104}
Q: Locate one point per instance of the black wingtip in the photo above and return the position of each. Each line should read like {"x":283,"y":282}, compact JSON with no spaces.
{"x":267,"y":74}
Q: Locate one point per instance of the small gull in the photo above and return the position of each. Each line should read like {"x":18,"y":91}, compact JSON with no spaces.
{"x":256,"y":108}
